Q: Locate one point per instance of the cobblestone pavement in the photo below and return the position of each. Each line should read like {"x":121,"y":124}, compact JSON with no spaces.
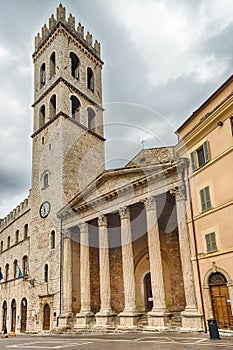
{"x":135,"y":341}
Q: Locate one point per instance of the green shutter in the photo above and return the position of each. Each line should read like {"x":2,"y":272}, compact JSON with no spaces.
{"x":202,"y":195}
{"x":193,"y":161}
{"x":206,"y":151}
{"x":207,"y":197}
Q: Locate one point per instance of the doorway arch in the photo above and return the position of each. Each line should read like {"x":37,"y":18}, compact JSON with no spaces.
{"x":148,"y":292}
{"x":23,"y":324}
{"x":220,"y":300}
{"x":4,"y":315}
{"x":46,"y":317}
{"x":13,"y":315}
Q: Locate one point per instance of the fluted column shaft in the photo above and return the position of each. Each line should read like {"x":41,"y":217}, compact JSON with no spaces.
{"x":155,"y":258}
{"x":105,"y":289}
{"x":67,"y":274}
{"x":127,"y":261}
{"x":84,"y":269}
{"x":185,"y":253}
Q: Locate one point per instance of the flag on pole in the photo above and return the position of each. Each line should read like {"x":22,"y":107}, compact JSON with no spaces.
{"x":19,"y":272}
{"x":1,"y":275}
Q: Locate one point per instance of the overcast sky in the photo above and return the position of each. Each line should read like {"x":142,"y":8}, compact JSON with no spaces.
{"x":163,"y":58}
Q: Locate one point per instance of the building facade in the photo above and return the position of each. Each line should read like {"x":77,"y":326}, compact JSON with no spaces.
{"x":95,"y":248}
{"x":206,"y":138}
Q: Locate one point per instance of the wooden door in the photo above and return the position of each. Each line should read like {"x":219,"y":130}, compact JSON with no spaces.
{"x":46,"y":318}
{"x":23,"y":326}
{"x":148,"y":292}
{"x":221,"y":306}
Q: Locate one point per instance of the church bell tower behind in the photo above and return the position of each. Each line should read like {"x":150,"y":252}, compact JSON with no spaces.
{"x":68,"y":143}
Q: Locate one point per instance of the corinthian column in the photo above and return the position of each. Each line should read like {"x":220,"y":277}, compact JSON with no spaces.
{"x":191,"y":318}
{"x":67,"y":272}
{"x":158,"y":317}
{"x":128,"y":316}
{"x":105,"y":315}
{"x":83,"y":317}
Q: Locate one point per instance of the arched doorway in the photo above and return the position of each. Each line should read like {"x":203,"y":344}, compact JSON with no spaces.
{"x":4,"y":315}
{"x":148,"y":292}
{"x":13,"y":315}
{"x":46,"y":318}
{"x":23,"y":325}
{"x":220,"y":300}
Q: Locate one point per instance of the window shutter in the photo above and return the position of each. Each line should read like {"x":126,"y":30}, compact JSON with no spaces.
{"x":207,"y":195}
{"x":206,"y":151}
{"x":193,"y":161}
{"x":202,"y":195}
{"x":208,"y":248}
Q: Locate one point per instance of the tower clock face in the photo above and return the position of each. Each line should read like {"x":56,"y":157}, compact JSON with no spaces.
{"x":44,"y":209}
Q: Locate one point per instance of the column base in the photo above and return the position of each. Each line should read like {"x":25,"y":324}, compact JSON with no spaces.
{"x":65,"y":320}
{"x":128,"y":319}
{"x":104,"y":318}
{"x":84,"y":319}
{"x":191,"y":320}
{"x":158,"y":319}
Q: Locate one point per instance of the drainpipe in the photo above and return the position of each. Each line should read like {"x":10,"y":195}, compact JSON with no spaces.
{"x":196,"y":253}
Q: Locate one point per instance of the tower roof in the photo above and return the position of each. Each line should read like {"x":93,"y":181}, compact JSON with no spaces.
{"x":60,"y":22}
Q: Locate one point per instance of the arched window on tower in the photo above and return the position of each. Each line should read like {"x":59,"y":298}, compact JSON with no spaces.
{"x":53,"y":106}
{"x":25,"y":265}
{"x":8,"y":241}
{"x":74,"y":60}
{"x":52,"y":65}
{"x":42,"y":75}
{"x":52,"y":239}
{"x":75,"y":108}
{"x":1,"y":246}
{"x":7,"y":272}
{"x":15,"y":265}
{"x":91,"y":118}
{"x":25,"y":233}
{"x":42,"y":116}
{"x":16,"y":236}
{"x":46,"y":273}
{"x":45,"y":180}
{"x":90,"y":79}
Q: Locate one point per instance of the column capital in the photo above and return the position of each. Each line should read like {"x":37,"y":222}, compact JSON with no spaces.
{"x":150,"y":203}
{"x":83,"y":226}
{"x":124,"y":213}
{"x":102,"y":220}
{"x":179,"y":192}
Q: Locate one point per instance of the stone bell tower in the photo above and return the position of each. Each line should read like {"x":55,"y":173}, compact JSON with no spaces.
{"x":68,"y":143}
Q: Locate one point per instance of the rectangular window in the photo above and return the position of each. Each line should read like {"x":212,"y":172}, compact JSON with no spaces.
{"x":211,"y":245}
{"x":205,"y":198}
{"x":200,"y":156}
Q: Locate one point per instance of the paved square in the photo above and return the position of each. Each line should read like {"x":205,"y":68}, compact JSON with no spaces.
{"x":48,"y":345}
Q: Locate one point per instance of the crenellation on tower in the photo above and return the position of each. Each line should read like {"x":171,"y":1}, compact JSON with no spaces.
{"x":71,"y":21}
{"x":45,"y":31}
{"x":80,"y":29}
{"x":52,"y":22}
{"x":89,"y":38}
{"x":69,"y":25}
{"x":37,"y":40}
{"x":61,"y":13}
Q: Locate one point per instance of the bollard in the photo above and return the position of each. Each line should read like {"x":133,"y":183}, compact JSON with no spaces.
{"x":213,"y":329}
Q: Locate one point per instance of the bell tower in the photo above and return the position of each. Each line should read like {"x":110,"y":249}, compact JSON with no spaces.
{"x":68,"y":142}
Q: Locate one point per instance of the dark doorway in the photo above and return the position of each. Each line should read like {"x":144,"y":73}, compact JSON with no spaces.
{"x":23,"y":325}
{"x":4,"y":315}
{"x":46,"y":318}
{"x":148,"y":292}
{"x":13,"y":315}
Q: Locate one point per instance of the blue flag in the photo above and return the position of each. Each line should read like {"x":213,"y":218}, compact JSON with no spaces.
{"x":19,"y":272}
{"x":1,"y":276}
